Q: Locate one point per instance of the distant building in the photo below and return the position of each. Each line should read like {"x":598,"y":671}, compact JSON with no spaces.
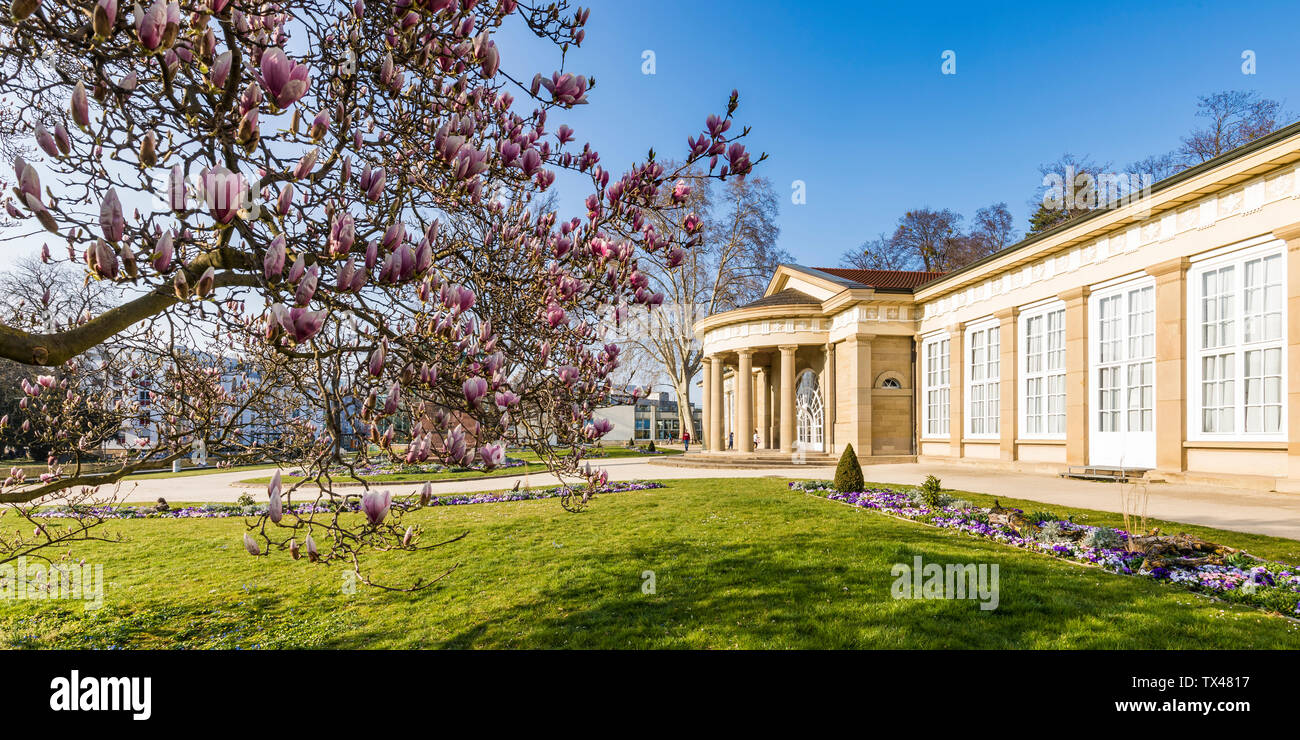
{"x":647,"y":418}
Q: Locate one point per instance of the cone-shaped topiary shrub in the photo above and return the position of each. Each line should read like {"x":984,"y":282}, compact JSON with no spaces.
{"x":848,"y":474}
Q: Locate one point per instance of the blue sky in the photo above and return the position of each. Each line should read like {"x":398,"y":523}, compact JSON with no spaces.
{"x":849,"y":97}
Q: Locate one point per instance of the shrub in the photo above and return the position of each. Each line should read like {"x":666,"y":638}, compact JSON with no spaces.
{"x":932,"y":492}
{"x":651,"y":447}
{"x":848,"y":474}
{"x":1101,"y":538}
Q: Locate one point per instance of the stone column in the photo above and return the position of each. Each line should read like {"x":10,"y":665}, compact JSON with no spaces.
{"x":764,"y":422}
{"x":745,"y":401}
{"x":857,"y":351}
{"x":787,"y":397}
{"x":1008,"y":389}
{"x":828,"y":436}
{"x":1171,"y":362}
{"x":774,"y":401}
{"x":956,"y":388}
{"x":706,"y":367}
{"x":1076,"y":375}
{"x":715,"y":404}
{"x":1291,"y":235}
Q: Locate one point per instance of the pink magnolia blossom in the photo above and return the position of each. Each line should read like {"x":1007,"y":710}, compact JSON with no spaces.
{"x":163,"y":252}
{"x":276,"y":508}
{"x":394,"y":398}
{"x":273,"y":262}
{"x":223,"y":193}
{"x":151,"y":25}
{"x":285,"y":80}
{"x":375,"y":505}
{"x":376,"y":364}
{"x":80,"y":106}
{"x":204,"y":287}
{"x":110,"y":216}
{"x":492,"y":455}
{"x":474,"y":389}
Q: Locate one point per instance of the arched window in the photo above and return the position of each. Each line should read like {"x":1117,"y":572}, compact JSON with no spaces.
{"x":890,"y":383}
{"x":809,"y":412}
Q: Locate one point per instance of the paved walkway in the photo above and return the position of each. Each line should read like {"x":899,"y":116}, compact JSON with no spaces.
{"x":1244,"y":511}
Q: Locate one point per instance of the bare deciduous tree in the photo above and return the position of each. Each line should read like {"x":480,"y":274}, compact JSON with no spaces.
{"x":728,"y":264}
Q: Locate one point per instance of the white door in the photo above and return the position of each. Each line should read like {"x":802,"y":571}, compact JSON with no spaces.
{"x":1122,"y":387}
{"x":809,"y":412}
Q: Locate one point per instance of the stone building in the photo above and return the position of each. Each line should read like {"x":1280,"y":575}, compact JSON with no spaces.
{"x":1159,"y":332}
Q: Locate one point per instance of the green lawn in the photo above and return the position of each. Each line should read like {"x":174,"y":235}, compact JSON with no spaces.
{"x":738,"y":563}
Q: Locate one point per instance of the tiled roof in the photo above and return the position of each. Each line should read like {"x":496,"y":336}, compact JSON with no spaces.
{"x":787,"y":297}
{"x":886,"y":279}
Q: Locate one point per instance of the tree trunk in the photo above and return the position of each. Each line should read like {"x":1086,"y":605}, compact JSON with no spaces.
{"x":687,"y":419}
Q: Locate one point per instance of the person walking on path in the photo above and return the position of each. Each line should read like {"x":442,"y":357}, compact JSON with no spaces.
{"x":686,"y":441}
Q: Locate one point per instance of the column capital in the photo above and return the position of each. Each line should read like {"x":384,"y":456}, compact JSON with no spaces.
{"x":746,"y":352}
{"x":1289,"y":234}
{"x":857,"y":338}
{"x":1074,"y":294}
{"x":1007,"y":314}
{"x":788,"y":349}
{"x":1176,"y":265}
{"x":956,"y":328}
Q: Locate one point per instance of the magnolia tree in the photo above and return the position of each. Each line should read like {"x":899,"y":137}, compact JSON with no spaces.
{"x":346,"y":192}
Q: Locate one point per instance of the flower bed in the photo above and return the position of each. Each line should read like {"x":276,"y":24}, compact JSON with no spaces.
{"x":1244,"y":579}
{"x":221,"y":511}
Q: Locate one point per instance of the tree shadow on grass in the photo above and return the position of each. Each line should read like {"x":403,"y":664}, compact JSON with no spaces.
{"x":823,"y":592}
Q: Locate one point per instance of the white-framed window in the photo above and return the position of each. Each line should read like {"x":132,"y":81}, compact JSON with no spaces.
{"x":1042,"y":371}
{"x":1121,"y":380}
{"x":935,"y":356}
{"x":1237,"y":345}
{"x":983,"y":373}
